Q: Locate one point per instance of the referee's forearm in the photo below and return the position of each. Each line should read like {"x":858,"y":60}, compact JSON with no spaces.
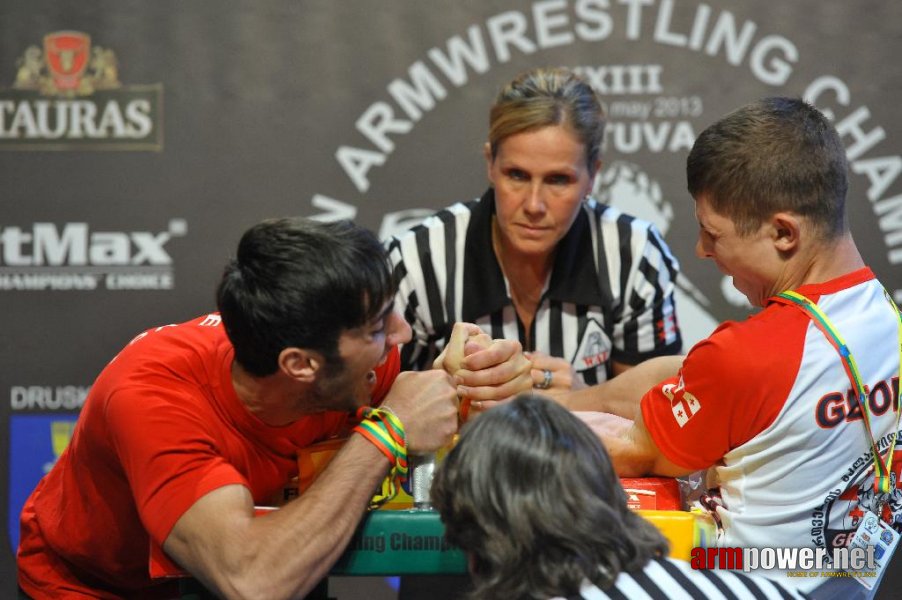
{"x":621,"y":395}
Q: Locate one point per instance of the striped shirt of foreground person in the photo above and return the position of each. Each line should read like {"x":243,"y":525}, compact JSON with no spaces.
{"x":671,"y":579}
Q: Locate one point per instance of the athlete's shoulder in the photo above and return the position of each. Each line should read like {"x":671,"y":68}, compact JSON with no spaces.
{"x":773,"y":336}
{"x":178,"y":360}
{"x":208,"y":326}
{"x":174,"y":343}
{"x":772,"y":326}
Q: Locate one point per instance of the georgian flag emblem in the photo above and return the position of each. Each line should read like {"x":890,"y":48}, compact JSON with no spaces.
{"x":683,"y":404}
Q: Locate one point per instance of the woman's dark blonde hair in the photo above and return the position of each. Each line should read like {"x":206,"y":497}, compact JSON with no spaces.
{"x":548,"y":96}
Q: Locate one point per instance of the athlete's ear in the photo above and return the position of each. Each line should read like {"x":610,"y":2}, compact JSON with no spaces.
{"x":300,"y":364}
{"x":785,"y":229}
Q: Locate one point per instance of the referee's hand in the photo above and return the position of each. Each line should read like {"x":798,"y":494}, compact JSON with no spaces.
{"x":553,"y":376}
{"x":453,"y":354}
{"x":493,"y":373}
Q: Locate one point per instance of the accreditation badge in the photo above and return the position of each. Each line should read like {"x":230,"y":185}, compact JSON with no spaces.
{"x":874,"y":531}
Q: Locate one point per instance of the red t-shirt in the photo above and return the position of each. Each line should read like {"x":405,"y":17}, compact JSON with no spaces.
{"x":161,"y":427}
{"x":740,"y":379}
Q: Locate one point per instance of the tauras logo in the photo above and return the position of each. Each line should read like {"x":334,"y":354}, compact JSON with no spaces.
{"x":75,"y":120}
{"x":72,"y":256}
{"x":67,"y":95}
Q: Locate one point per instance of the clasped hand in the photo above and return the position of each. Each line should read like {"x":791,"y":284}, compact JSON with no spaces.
{"x":485,"y":371}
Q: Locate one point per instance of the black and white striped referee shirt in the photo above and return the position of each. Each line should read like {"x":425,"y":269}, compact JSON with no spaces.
{"x":609,"y":297}
{"x":666,"y":579}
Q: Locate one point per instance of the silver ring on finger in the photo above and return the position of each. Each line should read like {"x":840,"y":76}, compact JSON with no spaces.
{"x":546,"y":381}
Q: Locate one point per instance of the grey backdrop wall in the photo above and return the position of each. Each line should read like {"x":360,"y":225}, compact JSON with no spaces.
{"x":138,"y":140}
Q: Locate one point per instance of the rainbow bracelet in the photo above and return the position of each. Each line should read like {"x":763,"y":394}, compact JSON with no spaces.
{"x":382,"y":428}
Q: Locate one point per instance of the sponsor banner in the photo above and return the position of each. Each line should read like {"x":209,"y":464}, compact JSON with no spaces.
{"x":47,"y":397}
{"x":385,"y":127}
{"x":35,"y":443}
{"x":785,"y":559}
{"x":657,"y":103}
{"x":67,"y":96}
{"x":72,"y":256}
{"x":864,"y":561}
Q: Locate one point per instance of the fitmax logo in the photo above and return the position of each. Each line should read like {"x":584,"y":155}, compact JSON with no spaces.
{"x":74,"y":245}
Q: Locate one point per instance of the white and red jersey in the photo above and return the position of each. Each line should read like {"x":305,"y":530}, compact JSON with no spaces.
{"x":767,"y":403}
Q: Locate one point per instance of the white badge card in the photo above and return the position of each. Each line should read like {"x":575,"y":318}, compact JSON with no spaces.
{"x":874,"y":532}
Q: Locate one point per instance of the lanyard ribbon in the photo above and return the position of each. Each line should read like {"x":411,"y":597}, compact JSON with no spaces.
{"x":882,"y":473}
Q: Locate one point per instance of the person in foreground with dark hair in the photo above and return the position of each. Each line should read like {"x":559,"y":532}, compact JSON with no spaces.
{"x":529,"y":493}
{"x":193,"y":425}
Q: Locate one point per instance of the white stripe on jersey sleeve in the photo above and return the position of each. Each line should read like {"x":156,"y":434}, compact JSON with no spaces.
{"x":771,"y":589}
{"x":436,"y":241}
{"x":590,"y":591}
{"x":413,"y":280}
{"x":462,"y":220}
{"x":632,"y":590}
{"x":542,"y":324}
{"x":739,"y":587}
{"x":671,"y":587}
{"x":509,"y":315}
{"x":700,"y":581}
{"x":611,"y":243}
{"x":570,"y":329}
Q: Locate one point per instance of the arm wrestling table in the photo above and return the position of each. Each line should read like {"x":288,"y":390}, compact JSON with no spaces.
{"x":399,"y":541}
